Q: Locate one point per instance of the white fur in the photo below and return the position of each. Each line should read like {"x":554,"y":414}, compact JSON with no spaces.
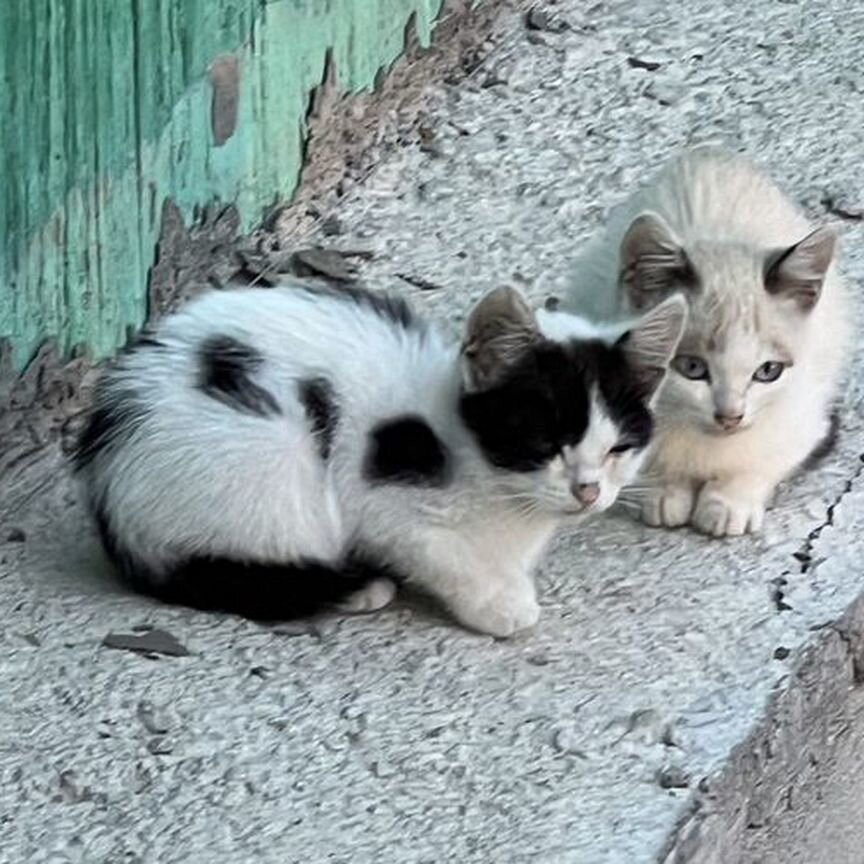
{"x":728,"y":217}
{"x":590,"y":461}
{"x":199,"y":477}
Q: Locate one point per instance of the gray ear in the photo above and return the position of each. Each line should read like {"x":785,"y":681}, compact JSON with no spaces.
{"x":798,"y":272}
{"x":651,"y":341}
{"x":500,"y":328}
{"x":652,"y":263}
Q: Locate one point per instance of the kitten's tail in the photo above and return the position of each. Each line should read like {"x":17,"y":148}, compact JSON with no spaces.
{"x":259,"y":591}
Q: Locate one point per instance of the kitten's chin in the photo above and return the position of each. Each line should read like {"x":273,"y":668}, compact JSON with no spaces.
{"x":718,"y":432}
{"x":578,"y":512}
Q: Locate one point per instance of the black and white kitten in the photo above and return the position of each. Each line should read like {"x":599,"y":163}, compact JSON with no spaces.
{"x":269,"y":451}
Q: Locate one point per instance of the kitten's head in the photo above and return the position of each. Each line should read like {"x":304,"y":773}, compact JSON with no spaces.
{"x":748,"y":322}
{"x":563,"y":410}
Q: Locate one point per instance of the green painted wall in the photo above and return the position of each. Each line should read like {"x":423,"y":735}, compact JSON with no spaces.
{"x":107,"y":111}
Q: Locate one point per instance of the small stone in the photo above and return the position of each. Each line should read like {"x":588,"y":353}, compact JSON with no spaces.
{"x":673,"y":777}
{"x":781,"y":653}
{"x":161,"y":745}
{"x":151,"y":643}
{"x":639,"y":63}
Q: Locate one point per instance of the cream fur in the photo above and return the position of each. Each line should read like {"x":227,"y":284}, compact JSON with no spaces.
{"x":729,"y":218}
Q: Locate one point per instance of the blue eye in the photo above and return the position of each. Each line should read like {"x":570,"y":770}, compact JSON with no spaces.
{"x":692,"y":367}
{"x":769,"y":371}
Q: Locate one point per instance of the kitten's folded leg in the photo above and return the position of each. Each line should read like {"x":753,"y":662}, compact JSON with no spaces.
{"x":732,"y":507}
{"x":483,"y":574}
{"x":670,"y":506}
{"x":511,"y":607}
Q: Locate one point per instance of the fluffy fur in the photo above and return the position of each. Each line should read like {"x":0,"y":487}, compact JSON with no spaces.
{"x":267,"y":451}
{"x":763,"y":289}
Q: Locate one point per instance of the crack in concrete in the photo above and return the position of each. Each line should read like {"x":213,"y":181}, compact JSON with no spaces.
{"x":804,"y":555}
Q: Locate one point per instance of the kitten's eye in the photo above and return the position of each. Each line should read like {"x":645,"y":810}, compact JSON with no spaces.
{"x":769,"y":371}
{"x":692,"y":367}
{"x":618,"y":449}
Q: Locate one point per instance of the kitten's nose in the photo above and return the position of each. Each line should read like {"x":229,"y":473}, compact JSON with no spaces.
{"x":586,"y":493}
{"x":728,"y":421}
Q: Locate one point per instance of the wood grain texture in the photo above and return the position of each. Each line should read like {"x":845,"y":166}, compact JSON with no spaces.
{"x":108,"y":112}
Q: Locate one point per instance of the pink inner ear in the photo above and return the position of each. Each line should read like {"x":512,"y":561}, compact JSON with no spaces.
{"x":652,"y":262}
{"x":798,"y":272}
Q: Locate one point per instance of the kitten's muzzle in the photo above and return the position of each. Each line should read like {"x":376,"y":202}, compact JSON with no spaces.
{"x":585,"y":493}
{"x":728,"y":422}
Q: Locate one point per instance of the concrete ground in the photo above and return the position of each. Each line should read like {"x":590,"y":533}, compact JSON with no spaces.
{"x":682,"y":699}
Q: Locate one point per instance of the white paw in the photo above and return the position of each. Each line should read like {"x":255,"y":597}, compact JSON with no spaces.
{"x":502,"y":615}
{"x":720,"y":515}
{"x":668,"y":506}
{"x":371,"y":597}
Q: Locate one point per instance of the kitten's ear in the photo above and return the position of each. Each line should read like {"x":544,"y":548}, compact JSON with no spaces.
{"x":798,"y":273}
{"x":501,"y":327}
{"x":650,"y":343}
{"x":652,"y":263}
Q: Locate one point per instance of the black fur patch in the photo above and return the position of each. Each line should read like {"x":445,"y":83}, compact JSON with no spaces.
{"x":542,"y":404}
{"x":406,"y":450}
{"x":225,"y":375}
{"x":387,"y":306}
{"x":115,"y":413}
{"x":318,"y":400}
{"x":261,"y":591}
{"x":116,"y":410}
{"x":826,"y":445}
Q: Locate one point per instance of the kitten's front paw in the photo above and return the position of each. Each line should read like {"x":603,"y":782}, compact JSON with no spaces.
{"x":502,"y":615}
{"x":722,"y":515}
{"x":668,"y":506}
{"x":371,"y":597}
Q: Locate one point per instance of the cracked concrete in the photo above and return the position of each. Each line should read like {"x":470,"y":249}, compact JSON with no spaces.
{"x":682,"y":699}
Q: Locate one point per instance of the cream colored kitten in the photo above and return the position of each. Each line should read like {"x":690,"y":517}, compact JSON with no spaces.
{"x":755,"y":379}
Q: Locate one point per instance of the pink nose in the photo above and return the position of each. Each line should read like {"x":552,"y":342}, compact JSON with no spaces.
{"x":728,"y":421}
{"x":586,"y":493}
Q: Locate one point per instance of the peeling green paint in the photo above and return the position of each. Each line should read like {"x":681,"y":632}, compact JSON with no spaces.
{"x":107,"y":111}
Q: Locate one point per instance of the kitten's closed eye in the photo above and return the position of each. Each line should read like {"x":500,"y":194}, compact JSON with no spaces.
{"x":691,"y":366}
{"x":769,"y":371}
{"x":623,"y":447}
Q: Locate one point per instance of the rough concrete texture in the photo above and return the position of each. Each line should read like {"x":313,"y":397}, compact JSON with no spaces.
{"x":679,"y":695}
